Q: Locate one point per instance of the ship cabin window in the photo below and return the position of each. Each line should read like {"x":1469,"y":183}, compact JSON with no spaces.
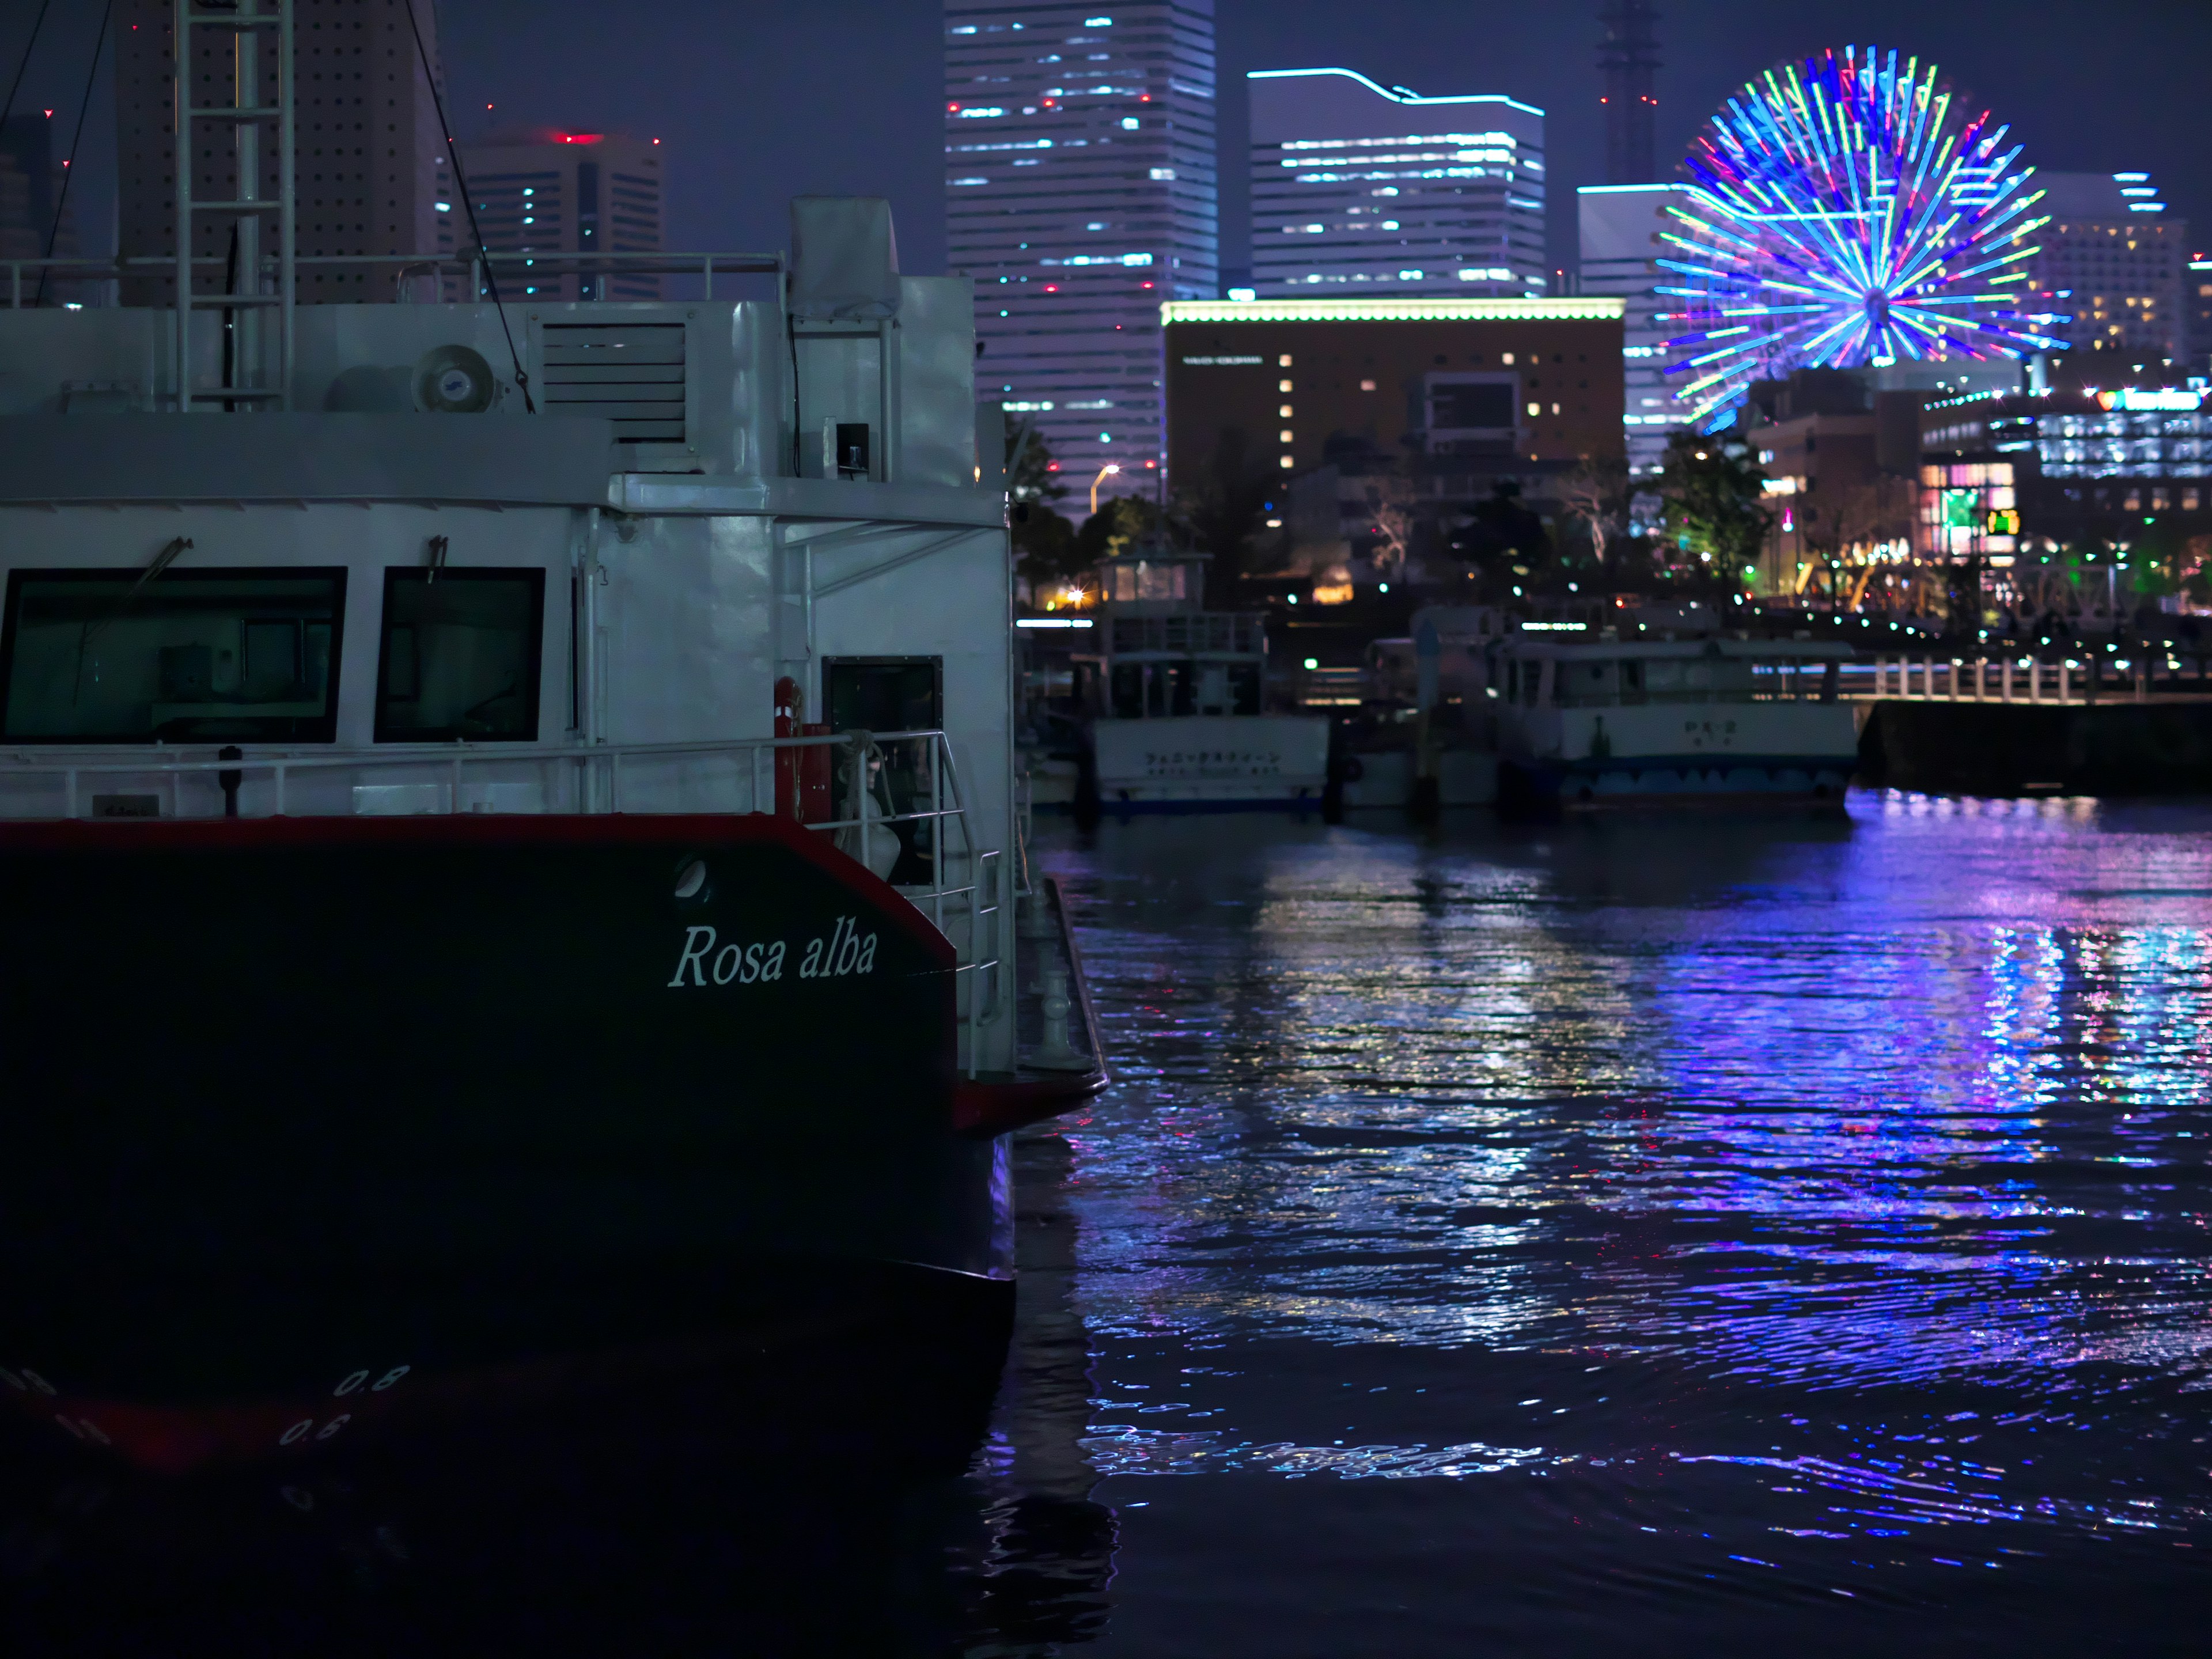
{"x":459,"y":656}
{"x":1144,"y":580}
{"x":1149,"y":690}
{"x":1697,"y":679}
{"x":1584,"y":684}
{"x":1526,"y":687}
{"x":180,"y":656}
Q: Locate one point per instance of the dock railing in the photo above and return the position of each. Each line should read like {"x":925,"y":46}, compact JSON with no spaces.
{"x":964,"y":896}
{"x":2076,"y":679}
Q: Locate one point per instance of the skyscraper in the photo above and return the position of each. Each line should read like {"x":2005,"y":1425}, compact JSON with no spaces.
{"x":371,"y":167}
{"x":30,"y":192}
{"x":547,"y":191}
{"x":1359,"y":188}
{"x":1080,"y":173}
{"x":1619,"y":226}
{"x":2115,"y":260}
{"x":1628,"y":54}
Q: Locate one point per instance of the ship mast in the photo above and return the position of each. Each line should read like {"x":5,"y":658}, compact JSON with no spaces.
{"x":255,"y":313}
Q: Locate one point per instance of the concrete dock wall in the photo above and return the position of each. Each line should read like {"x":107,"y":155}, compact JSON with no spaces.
{"x":2156,"y":747}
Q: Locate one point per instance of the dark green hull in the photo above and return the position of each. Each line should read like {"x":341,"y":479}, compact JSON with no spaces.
{"x":312,"y":1119}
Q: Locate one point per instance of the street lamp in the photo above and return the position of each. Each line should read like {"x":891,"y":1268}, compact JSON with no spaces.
{"x":1110,"y":466}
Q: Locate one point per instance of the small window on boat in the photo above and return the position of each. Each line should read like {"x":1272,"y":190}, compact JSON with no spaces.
{"x":459,"y":656}
{"x":183,"y":656}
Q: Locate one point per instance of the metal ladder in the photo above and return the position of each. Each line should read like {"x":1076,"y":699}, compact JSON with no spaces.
{"x":260,"y":372}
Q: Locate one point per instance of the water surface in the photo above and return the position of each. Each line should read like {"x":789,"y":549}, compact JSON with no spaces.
{"x":1620,"y":1235}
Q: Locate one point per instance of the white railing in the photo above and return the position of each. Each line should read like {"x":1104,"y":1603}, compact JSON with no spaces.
{"x":14,"y":273}
{"x":718,"y":775}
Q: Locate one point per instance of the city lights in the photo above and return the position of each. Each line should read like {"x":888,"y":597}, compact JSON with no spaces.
{"x":1846,"y":211}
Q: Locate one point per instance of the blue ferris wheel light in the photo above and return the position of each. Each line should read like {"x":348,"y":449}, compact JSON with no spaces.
{"x":1841,"y":212}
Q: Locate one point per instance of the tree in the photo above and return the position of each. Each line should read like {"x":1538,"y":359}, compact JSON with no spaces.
{"x":1044,"y":541}
{"x":1503,"y":541}
{"x":1390,"y":519}
{"x":1713,"y":493}
{"x":1595,"y":495}
{"x":1122,"y":525}
{"x":1032,"y":475}
{"x":1225,"y":510}
{"x":1883,"y":509}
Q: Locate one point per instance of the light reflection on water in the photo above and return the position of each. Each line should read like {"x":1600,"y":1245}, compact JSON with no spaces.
{"x":1848,"y":1175}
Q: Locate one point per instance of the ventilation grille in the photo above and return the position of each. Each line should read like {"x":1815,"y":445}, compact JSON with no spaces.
{"x":631,"y":374}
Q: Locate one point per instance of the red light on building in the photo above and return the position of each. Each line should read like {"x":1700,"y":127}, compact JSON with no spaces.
{"x":582,"y":137}
{"x":1052,"y":288}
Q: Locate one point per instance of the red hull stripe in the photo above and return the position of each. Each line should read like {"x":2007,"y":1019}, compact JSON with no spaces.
{"x":992,"y":1108}
{"x":678,"y":832}
{"x":174,"y":1440}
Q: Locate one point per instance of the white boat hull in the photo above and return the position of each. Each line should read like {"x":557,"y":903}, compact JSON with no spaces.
{"x":1203,"y":762}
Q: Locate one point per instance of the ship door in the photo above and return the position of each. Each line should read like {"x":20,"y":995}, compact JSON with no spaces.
{"x":884,"y":695}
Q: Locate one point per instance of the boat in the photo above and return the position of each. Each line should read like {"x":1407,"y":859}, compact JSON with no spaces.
{"x":1179,"y":713}
{"x":508,"y":844}
{"x":1610,"y":721}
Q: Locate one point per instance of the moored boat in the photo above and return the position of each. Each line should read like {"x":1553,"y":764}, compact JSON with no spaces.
{"x":1711,"y":721}
{"x":1182,"y":722}
{"x":507,"y":891}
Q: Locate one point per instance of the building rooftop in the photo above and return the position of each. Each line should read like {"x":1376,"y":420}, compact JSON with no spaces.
{"x":1582,"y":308}
{"x":2095,"y":195}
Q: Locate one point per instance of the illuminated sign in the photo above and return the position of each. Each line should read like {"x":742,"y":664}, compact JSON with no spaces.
{"x":1582,"y":308}
{"x":1961,"y":509}
{"x":2003,"y":521}
{"x":2131,"y":397}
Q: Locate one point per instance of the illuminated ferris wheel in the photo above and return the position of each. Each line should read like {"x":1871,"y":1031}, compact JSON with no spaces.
{"x":1840,"y":212}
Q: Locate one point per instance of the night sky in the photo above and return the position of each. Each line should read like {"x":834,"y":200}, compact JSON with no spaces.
{"x":758,"y":102}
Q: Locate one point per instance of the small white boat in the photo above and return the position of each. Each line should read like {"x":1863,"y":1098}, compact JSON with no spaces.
{"x":1612,"y":722}
{"x":1182,"y":725}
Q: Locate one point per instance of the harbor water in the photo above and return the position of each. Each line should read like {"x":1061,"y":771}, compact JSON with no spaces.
{"x":1622,"y":1236}
{"x":1630,"y":1235}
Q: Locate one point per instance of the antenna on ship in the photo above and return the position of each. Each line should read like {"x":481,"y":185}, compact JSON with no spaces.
{"x":256,"y":358}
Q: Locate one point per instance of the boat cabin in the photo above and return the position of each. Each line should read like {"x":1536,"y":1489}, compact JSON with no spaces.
{"x":724,"y":554}
{"x":1164,"y":653}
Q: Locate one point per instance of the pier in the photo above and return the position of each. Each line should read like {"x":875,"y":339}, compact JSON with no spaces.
{"x":2073,"y":723}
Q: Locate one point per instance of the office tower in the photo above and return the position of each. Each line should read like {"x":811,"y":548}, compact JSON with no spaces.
{"x":1081,"y":178}
{"x":30,"y":192}
{"x":371,"y":173}
{"x":2199,"y":302}
{"x":1619,"y":226}
{"x":547,"y":191}
{"x":1360,"y":189}
{"x":2115,"y":259}
{"x":1628,"y":54}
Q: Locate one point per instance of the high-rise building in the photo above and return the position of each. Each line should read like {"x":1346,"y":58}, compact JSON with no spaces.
{"x":30,"y":192}
{"x":547,"y":191}
{"x":1080,"y":151}
{"x":371,"y":174}
{"x":2115,"y":259}
{"x":1362,"y":189}
{"x":2199,"y":302}
{"x":1628,"y":55}
{"x":1620,"y":226}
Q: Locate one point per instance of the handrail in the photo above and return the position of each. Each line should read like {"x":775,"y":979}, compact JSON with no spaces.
{"x":704,"y":264}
